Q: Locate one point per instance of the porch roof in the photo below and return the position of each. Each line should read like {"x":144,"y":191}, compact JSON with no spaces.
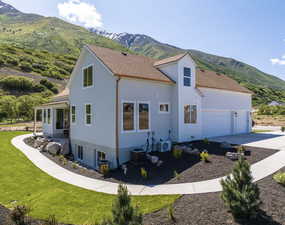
{"x":57,"y":104}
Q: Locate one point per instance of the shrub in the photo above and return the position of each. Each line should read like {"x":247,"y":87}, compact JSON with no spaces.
{"x":279,"y":178}
{"x":171,"y":214}
{"x":283,"y":129}
{"x":177,"y":153}
{"x":51,"y":220}
{"x":240,"y":149}
{"x":239,"y":192}
{"x":74,"y":165}
{"x":206,"y":141}
{"x":123,"y":213}
{"x":176,"y":175}
{"x":19,"y":215}
{"x":204,"y":156}
{"x":143,"y":173}
{"x":26,"y":67}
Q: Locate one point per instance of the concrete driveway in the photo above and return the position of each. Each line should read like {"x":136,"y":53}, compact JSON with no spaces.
{"x":271,"y":140}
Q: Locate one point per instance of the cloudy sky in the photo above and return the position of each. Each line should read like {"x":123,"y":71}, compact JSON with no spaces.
{"x":250,"y":31}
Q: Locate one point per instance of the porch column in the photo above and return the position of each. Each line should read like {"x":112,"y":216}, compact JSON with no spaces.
{"x":35,"y":120}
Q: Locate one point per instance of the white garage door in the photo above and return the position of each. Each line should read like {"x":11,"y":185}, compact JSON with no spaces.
{"x":216,"y":123}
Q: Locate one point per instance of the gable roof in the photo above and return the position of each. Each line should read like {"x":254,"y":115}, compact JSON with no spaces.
{"x":170,"y":59}
{"x":210,"y":79}
{"x":128,"y":65}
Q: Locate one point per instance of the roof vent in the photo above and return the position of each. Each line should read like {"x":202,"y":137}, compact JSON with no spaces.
{"x":124,"y":53}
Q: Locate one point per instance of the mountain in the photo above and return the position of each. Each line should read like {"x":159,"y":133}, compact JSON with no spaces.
{"x":56,"y":39}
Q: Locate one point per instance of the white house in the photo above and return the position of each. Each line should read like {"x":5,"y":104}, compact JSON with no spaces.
{"x":114,"y":99}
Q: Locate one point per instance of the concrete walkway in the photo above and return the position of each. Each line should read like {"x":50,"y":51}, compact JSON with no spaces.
{"x":259,"y":170}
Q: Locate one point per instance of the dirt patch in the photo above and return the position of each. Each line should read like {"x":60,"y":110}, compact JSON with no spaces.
{"x":188,"y":168}
{"x":209,"y":209}
{"x":269,"y":120}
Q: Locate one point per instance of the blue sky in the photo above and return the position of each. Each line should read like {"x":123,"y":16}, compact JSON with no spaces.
{"x":250,"y":31}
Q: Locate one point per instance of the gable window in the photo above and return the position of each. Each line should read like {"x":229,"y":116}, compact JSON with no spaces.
{"x":73,"y":114}
{"x":45,"y":115}
{"x":190,"y":114}
{"x":143,"y":116}
{"x":49,"y":116}
{"x":187,"y":77}
{"x":88,"y":114}
{"x":128,"y":116}
{"x":164,"y":108}
{"x":88,"y":76}
{"x":80,"y":152}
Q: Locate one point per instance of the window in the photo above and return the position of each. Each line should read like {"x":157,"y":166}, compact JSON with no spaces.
{"x":73,"y":114}
{"x":88,"y":114}
{"x":45,"y":115}
{"x":88,"y":76}
{"x":187,"y":77}
{"x":128,"y":116}
{"x":59,"y":118}
{"x":101,"y":156}
{"x":49,"y":116}
{"x":80,"y":152}
{"x":164,"y":107}
{"x":143,"y":116}
{"x":190,"y":114}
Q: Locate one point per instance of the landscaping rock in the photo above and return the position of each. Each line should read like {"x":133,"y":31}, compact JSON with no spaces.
{"x":53,"y":148}
{"x":191,"y":151}
{"x":233,"y":155}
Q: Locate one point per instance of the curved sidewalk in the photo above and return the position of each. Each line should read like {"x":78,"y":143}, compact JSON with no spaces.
{"x":259,"y":170}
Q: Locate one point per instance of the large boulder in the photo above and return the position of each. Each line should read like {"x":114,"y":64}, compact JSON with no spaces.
{"x":53,"y":148}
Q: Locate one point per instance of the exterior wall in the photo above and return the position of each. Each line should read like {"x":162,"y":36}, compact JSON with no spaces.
{"x":225,"y":112}
{"x":188,"y":96}
{"x":160,"y":123}
{"x":101,"y":96}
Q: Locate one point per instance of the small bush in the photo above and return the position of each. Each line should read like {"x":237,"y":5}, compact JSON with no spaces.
{"x":206,"y":141}
{"x":26,"y":67}
{"x":177,"y":153}
{"x":19,"y":215}
{"x":204,"y":156}
{"x":143,"y":173}
{"x":74,"y":165}
{"x":176,"y":175}
{"x":283,"y":129}
{"x":279,"y":178}
{"x":51,"y":220}
{"x":240,"y":149}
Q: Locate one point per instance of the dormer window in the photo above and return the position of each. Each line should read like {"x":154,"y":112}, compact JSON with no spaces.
{"x":187,"y":77}
{"x":88,"y":76}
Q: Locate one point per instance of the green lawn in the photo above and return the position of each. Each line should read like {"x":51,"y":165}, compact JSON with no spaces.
{"x":260,"y":131}
{"x":21,"y":181}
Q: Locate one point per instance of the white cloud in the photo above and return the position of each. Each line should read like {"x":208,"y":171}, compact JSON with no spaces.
{"x":276,"y":61}
{"x":77,"y":11}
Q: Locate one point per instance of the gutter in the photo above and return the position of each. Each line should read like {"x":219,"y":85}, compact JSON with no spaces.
{"x":117,"y":122}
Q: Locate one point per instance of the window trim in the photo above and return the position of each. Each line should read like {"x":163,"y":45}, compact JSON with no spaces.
{"x":164,"y":103}
{"x":190,"y":78}
{"x":122,"y":117}
{"x":138,"y":116}
{"x":190,"y":118}
{"x":85,"y":114}
{"x":72,"y":114}
{"x":86,"y":67}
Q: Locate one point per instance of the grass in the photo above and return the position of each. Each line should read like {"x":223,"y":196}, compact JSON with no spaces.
{"x":24,"y":183}
{"x":269,"y":120}
{"x":261,"y":131}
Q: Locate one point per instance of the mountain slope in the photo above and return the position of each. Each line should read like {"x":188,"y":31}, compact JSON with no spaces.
{"x":240,"y":71}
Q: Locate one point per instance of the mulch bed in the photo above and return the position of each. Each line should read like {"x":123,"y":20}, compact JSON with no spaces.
{"x":189,"y":167}
{"x":209,"y":209}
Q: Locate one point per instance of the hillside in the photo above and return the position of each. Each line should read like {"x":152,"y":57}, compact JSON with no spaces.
{"x":53,"y":45}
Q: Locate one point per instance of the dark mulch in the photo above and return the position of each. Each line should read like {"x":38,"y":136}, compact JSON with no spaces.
{"x":189,"y":167}
{"x":209,"y":209}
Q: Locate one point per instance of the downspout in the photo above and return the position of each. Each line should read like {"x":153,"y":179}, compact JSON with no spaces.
{"x":117,"y":123}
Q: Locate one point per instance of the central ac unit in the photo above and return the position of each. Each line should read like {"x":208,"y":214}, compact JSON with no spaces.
{"x":164,"y":146}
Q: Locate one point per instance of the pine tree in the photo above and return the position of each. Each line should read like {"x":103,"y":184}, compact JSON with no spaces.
{"x":123,"y":212}
{"x":239,"y":193}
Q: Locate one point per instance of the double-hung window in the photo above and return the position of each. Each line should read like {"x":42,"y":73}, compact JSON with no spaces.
{"x":187,"y":76}
{"x":101,"y":156}
{"x":45,"y":115}
{"x":49,"y":116}
{"x":73,"y":114}
{"x":88,"y":114}
{"x":88,"y":76}
{"x":143,"y":116}
{"x":190,"y":114}
{"x":80,"y":152}
{"x":164,"y":108}
{"x":128,"y":116}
